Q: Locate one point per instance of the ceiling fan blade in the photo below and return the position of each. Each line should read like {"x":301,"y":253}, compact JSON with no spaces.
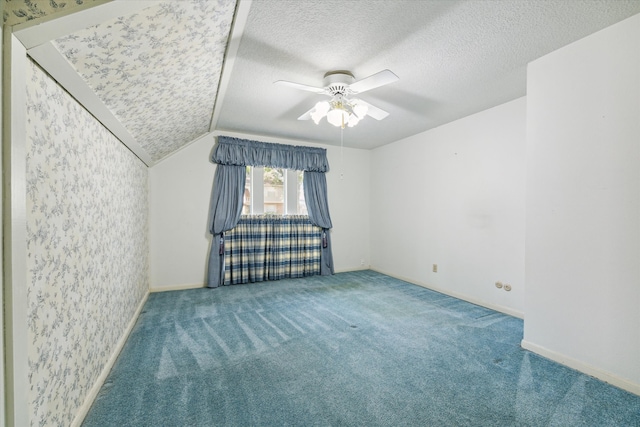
{"x":381,"y":78}
{"x":307,"y":115}
{"x":373,"y":111}
{"x":300,"y":86}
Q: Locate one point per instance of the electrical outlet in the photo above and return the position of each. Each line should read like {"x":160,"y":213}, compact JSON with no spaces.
{"x":361,"y":261}
{"x":507,"y":288}
{"x":499,"y":285}
{"x":435,"y":268}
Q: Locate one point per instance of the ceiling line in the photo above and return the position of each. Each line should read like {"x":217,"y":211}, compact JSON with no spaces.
{"x":40,"y":31}
{"x":49,"y":58}
{"x":38,"y":36}
{"x":237,"y":29}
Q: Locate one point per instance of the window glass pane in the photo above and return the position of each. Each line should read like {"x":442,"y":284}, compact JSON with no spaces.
{"x":302,"y":206}
{"x":282,"y":192}
{"x":273,"y":191}
{"x":246,"y":201}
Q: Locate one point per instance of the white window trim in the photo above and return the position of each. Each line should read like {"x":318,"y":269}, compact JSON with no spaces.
{"x":257,"y":190}
{"x":291,"y":191}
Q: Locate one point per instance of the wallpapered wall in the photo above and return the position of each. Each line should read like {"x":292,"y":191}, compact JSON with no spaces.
{"x":87,"y":247}
{"x":19,"y":11}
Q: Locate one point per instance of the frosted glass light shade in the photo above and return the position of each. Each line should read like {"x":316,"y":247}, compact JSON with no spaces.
{"x":338,"y":117}
{"x":323,"y":107}
{"x":360,"y":110}
{"x":319,"y":111}
{"x":316,"y":116}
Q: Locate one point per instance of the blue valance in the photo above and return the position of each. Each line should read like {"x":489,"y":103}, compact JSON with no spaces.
{"x":244,"y":152}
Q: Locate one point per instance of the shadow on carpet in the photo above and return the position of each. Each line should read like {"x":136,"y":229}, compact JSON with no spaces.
{"x":353,"y":349}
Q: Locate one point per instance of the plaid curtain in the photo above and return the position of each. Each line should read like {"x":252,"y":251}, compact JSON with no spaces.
{"x":267,"y":247}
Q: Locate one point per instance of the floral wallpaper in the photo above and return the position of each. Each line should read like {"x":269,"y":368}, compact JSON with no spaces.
{"x":87,"y":247}
{"x":19,"y":11}
{"x":157,"y":70}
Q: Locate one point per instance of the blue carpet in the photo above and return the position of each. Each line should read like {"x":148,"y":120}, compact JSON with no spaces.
{"x":354,"y":349}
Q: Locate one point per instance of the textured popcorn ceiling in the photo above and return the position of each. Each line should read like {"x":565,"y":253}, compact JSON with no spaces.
{"x":158,"y":71}
{"x":454,"y":58}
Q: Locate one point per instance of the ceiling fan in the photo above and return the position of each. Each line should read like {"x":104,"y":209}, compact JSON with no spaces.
{"x":342,"y":109}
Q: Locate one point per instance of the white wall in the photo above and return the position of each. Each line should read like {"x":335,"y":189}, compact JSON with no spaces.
{"x":2,"y":338}
{"x":583,"y":205}
{"x":454,"y":196}
{"x":349,"y":200}
{"x":180,"y":192}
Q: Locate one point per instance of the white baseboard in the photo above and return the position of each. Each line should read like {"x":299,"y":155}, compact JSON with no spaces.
{"x":88,"y":401}
{"x":186,"y":286}
{"x":178,"y":287}
{"x":501,"y":309}
{"x":582,"y":367}
{"x":359,"y":268}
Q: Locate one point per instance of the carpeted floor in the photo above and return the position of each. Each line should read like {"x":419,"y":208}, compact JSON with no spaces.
{"x":354,"y":349}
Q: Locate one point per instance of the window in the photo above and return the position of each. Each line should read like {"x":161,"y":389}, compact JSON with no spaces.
{"x":273,"y":191}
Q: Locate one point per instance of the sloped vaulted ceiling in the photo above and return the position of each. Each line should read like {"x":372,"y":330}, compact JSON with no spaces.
{"x":157,"y":70}
{"x":18,"y":11}
{"x":160,"y":73}
{"x":152,"y":72}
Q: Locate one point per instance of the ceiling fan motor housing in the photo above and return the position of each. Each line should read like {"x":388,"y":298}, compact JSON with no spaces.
{"x":337,"y":82}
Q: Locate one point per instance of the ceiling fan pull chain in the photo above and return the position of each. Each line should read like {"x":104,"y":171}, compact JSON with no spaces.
{"x":342,"y":152}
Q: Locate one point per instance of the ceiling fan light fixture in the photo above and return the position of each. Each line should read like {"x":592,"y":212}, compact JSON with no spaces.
{"x":320,"y":110}
{"x":338,"y":116}
{"x":342,"y":110}
{"x":353,"y":120}
{"x":360,"y":110}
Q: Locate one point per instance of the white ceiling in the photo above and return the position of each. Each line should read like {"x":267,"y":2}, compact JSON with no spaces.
{"x":164,"y":86}
{"x":453,"y":58}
